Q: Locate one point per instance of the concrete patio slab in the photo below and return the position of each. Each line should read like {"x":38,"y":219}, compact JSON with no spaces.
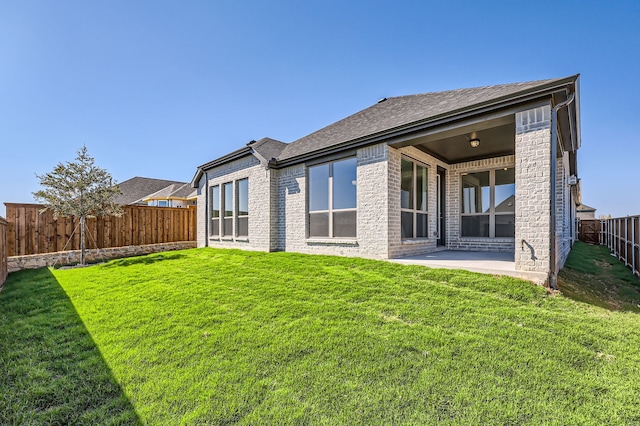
{"x":475,"y":261}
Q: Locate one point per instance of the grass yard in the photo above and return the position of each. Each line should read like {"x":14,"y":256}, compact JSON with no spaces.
{"x":593,"y":275}
{"x":209,"y":336}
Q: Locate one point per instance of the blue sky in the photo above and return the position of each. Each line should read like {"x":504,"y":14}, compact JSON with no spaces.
{"x":155,"y":88}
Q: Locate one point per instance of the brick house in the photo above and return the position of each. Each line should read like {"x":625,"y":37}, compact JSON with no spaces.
{"x":483,"y":169}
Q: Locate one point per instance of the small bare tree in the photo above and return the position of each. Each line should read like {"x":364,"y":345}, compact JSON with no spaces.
{"x":79,"y":189}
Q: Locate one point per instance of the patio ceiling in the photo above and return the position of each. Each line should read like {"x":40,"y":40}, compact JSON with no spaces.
{"x":451,"y":145}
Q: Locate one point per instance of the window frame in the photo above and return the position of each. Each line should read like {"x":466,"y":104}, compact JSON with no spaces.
{"x":212,"y":218}
{"x":232,"y":187}
{"x":330,"y":201}
{"x":492,"y":213}
{"x":415,"y":211}
{"x":237,"y":214}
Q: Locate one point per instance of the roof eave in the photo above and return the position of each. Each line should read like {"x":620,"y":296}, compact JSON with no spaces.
{"x":525,"y":96}
{"x":239,"y":153}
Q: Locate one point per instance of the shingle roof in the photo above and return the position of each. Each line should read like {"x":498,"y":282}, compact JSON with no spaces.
{"x":174,"y":191}
{"x":392,"y":114}
{"x":397,"y":112}
{"x":268,"y":148}
{"x":585,"y":208}
{"x":135,"y":189}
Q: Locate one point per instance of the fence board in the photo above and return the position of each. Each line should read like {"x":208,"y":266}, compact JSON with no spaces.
{"x":31,"y":232}
{"x":622,"y":237}
{"x":589,"y":231}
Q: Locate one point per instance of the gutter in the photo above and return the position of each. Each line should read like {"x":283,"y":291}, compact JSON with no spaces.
{"x":552,"y":226}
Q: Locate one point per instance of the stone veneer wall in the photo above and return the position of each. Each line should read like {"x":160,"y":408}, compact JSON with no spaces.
{"x":533,"y":190}
{"x":35,"y":261}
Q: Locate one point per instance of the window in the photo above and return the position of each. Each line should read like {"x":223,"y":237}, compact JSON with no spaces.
{"x":242,"y":208}
{"x":227,"y":209}
{"x":488,"y":203}
{"x":332,"y":199}
{"x":225,"y":214}
{"x":413,"y":200}
{"x":215,"y":211}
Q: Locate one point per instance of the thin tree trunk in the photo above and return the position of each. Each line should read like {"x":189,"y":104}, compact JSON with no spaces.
{"x":82,"y":221}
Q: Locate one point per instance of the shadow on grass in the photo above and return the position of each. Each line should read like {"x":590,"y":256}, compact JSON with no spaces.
{"x":591,"y":275}
{"x":51,"y":371}
{"x":144,"y":259}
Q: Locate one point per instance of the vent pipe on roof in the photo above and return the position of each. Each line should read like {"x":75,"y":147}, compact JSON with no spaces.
{"x":553,"y":282}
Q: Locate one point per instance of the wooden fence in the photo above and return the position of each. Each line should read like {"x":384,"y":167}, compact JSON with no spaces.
{"x":3,"y":251}
{"x":32,"y":232}
{"x":589,"y":231}
{"x":622,"y":236}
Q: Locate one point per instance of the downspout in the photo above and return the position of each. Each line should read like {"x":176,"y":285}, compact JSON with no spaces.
{"x":206,"y":209}
{"x":554,"y":152}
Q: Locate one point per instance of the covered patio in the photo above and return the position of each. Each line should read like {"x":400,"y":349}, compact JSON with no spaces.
{"x":484,"y":262}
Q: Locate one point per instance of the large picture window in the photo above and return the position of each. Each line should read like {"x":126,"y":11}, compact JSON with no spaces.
{"x":413,"y":200}
{"x":488,"y":204}
{"x":332,"y":199}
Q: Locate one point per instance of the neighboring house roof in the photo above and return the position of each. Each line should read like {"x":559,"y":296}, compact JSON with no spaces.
{"x":175,"y":191}
{"x":392,"y":116}
{"x":134,"y":190}
{"x":583,"y":208}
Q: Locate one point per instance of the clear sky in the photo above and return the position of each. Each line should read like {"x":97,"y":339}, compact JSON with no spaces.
{"x":156,"y":88}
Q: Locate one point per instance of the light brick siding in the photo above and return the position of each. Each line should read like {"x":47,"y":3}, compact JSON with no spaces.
{"x":408,"y":247}
{"x":533,"y":189}
{"x":259,"y":201}
{"x":564,"y":205}
{"x":371,"y":240}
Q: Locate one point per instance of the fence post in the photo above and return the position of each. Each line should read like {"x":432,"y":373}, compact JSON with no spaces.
{"x":3,"y":251}
{"x":633,"y":245}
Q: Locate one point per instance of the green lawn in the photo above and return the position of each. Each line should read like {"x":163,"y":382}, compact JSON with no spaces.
{"x":210,"y":336}
{"x":593,"y":275}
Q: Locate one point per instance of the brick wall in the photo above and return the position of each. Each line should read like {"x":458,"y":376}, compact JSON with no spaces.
{"x":533,"y":189}
{"x":260,"y":188}
{"x":371,"y":239}
{"x":397,"y":246}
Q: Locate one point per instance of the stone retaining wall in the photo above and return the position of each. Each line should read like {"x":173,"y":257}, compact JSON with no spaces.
{"x":35,"y":261}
